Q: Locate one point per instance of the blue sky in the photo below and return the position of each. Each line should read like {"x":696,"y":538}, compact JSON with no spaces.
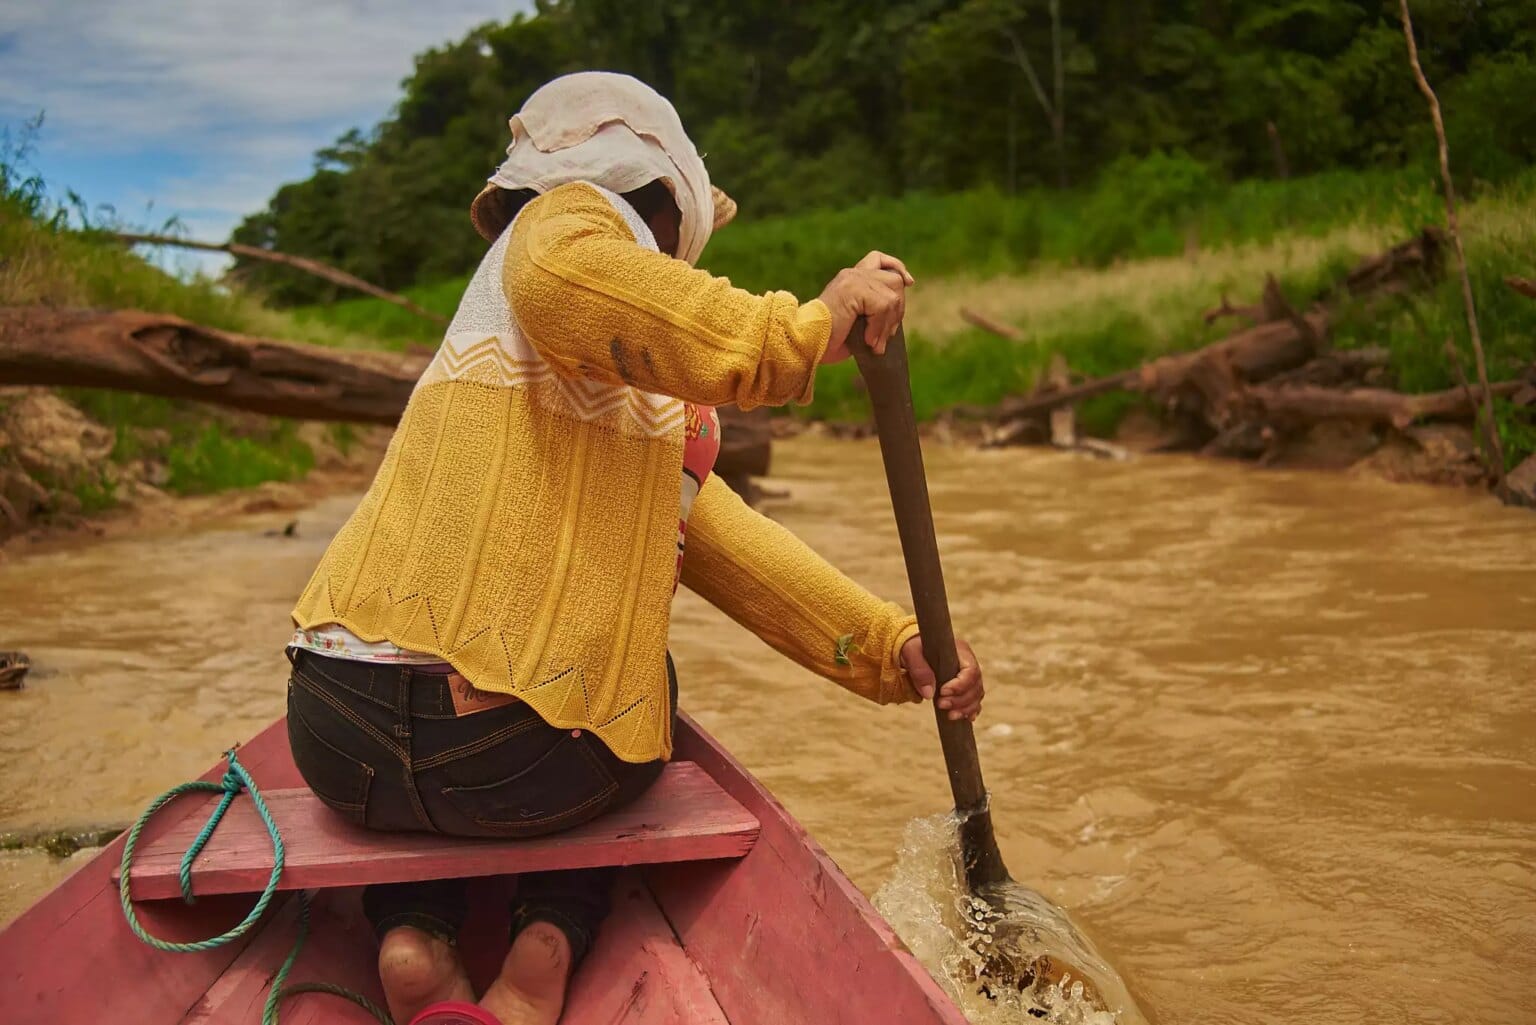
{"x":202,"y":108}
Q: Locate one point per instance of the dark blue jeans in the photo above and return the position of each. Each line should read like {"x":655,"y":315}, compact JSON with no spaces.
{"x":382,"y":746}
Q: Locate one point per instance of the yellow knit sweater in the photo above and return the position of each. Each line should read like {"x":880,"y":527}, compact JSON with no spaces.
{"x":523,"y":523}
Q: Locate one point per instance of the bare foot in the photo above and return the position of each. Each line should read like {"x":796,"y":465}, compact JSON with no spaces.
{"x":418,"y":969}
{"x":531,"y":987}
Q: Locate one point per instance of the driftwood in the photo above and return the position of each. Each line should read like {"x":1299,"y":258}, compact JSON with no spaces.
{"x":1283,"y":346}
{"x":1254,"y":354}
{"x":13,"y":669}
{"x":1308,"y":404}
{"x":334,"y":275}
{"x":986,"y":323}
{"x":157,"y":354}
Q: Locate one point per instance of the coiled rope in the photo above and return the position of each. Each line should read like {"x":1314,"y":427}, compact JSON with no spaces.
{"x":236,"y":779}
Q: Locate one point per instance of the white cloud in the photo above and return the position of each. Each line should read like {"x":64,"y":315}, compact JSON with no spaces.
{"x":118,"y":74}
{"x":217,"y":101}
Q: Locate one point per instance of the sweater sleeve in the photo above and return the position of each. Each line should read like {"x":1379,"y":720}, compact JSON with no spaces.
{"x":597,"y":305}
{"x":769,"y":581}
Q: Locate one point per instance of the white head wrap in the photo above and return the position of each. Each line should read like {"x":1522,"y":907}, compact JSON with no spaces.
{"x":610,"y":130}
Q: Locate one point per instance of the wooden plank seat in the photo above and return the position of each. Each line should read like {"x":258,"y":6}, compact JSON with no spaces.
{"x":684,"y":816}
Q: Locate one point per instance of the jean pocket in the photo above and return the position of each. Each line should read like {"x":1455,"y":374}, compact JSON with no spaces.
{"x":339,"y":780}
{"x":564,"y":787}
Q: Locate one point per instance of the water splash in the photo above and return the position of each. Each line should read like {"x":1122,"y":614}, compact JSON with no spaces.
{"x":1057,"y":975}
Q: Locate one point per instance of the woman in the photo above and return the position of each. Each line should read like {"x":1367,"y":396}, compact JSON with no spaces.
{"x":482,"y":650}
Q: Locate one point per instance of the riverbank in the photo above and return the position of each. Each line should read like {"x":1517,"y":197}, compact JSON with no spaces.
{"x":80,"y":460}
{"x":66,"y":477}
{"x":1076,"y":281}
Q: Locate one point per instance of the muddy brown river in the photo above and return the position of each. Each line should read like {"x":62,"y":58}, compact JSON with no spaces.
{"x":1269,"y":737}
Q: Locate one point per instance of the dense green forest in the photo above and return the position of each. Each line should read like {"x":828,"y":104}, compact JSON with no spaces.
{"x":817,"y":105}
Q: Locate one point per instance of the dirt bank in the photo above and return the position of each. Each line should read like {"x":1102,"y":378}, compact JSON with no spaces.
{"x":65,"y":476}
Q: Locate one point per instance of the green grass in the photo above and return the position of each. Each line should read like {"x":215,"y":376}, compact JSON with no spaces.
{"x":388,"y":324}
{"x":213,"y":459}
{"x":203,"y":450}
{"x":1143,"y":210}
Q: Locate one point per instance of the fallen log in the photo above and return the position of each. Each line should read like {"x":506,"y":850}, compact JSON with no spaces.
{"x":1280,"y":344}
{"x":1254,"y":354}
{"x":1339,"y":367}
{"x":158,"y":354}
{"x":324,"y":271}
{"x":1308,"y":404}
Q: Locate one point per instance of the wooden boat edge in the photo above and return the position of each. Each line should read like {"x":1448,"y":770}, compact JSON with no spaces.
{"x":759,"y":965}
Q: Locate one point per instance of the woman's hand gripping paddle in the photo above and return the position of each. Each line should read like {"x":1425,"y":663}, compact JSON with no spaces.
{"x":1031,"y":943}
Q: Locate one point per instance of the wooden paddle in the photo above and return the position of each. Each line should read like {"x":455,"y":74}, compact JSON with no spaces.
{"x":1030,"y":941}
{"x":890,"y":394}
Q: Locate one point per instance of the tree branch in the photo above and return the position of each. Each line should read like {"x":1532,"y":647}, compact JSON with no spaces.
{"x":1485,"y":419}
{"x":302,"y":263}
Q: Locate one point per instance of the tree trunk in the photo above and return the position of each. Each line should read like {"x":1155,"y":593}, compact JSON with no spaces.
{"x":129,"y":350}
{"x":1308,"y":404}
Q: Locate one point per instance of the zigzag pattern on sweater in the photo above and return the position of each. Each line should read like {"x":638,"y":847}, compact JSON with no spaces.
{"x":485,"y":345}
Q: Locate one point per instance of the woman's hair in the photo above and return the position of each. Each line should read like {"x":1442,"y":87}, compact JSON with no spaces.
{"x":499,"y":207}
{"x":651,"y":199}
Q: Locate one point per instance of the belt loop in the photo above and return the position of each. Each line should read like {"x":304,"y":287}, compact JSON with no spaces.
{"x":403,"y":693}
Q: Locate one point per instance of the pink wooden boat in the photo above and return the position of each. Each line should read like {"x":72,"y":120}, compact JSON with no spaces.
{"x":726,"y":914}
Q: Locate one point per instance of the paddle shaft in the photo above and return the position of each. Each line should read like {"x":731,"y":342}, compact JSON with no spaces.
{"x":890,"y":395}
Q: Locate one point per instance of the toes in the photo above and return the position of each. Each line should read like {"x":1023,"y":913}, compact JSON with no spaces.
{"x":417,"y":967}
{"x":531,"y":987}
{"x":540,"y":959}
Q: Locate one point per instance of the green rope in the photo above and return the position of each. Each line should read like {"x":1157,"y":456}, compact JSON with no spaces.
{"x":236,"y":779}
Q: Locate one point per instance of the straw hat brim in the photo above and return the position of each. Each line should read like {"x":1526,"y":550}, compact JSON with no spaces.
{"x":484,"y":212}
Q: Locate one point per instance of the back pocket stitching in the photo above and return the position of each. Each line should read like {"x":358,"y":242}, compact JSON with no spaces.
{"x":309,"y":687}
{"x":365,"y":786}
{"x":607,"y":791}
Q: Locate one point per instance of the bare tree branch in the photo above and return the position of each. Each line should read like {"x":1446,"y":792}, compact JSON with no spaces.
{"x":303,"y":263}
{"x":1485,"y":419}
